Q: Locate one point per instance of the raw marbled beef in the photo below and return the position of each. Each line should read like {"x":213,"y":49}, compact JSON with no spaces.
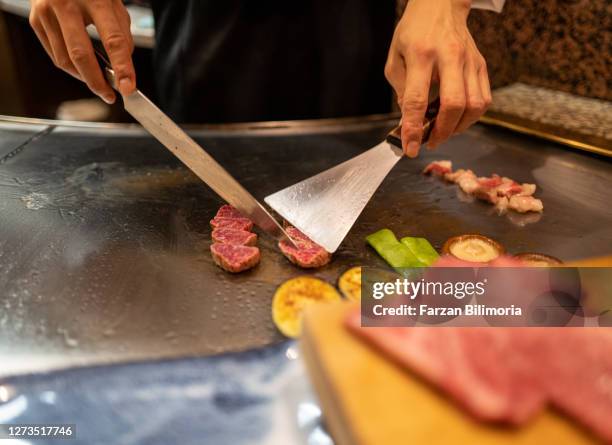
{"x":235,"y":258}
{"x":227,"y":211}
{"x":461,"y":362}
{"x":233,"y":244}
{"x":305,"y":253}
{"x":508,"y":375}
{"x":232,"y":223}
{"x":225,"y":235}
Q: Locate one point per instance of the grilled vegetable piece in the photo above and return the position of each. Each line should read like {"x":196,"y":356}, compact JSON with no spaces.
{"x":293,"y":296}
{"x":537,"y":259}
{"x":473,"y":248}
{"x":349,"y":284}
{"x":395,"y":253}
{"x":422,"y":249}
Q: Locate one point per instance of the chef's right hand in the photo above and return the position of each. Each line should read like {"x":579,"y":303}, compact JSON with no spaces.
{"x":60,"y":27}
{"x":432,"y":44}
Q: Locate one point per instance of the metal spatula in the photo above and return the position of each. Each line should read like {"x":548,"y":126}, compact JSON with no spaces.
{"x":325,"y":206}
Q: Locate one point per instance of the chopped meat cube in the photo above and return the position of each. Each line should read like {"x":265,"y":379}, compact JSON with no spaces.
{"x":490,"y":183}
{"x":487,"y":188}
{"x":468,"y":182}
{"x":486,"y":194}
{"x":465,"y":179}
{"x":235,"y":258}
{"x":502,"y":205}
{"x":305,"y":253}
{"x":508,"y":187}
{"x":527,"y":189}
{"x":503,"y":192}
{"x":225,"y":235}
{"x":438,"y":168}
{"x":523,"y":204}
{"x":227,"y":211}
{"x":232,"y":223}
{"x":454,"y":176}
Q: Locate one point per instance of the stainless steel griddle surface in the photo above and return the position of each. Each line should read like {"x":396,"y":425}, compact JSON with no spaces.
{"x":104,"y":236}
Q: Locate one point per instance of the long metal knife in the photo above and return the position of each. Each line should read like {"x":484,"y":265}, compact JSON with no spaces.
{"x":195,"y":157}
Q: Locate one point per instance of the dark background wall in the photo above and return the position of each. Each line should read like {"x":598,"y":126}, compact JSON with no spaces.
{"x":561,"y":44}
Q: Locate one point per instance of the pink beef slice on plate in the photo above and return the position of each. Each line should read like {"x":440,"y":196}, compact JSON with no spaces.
{"x":225,"y":235}
{"x":232,"y":223}
{"x":234,"y":258}
{"x":463,"y":363}
{"x":575,"y":367}
{"x":305,"y":253}
{"x":508,"y":375}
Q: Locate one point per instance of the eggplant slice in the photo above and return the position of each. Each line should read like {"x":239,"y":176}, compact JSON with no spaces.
{"x":349,"y":284}
{"x":293,"y":296}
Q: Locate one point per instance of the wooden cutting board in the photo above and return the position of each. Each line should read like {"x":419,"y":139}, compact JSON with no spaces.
{"x":368,"y":400}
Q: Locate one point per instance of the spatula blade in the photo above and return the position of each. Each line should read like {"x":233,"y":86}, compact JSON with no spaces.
{"x":325,"y":206}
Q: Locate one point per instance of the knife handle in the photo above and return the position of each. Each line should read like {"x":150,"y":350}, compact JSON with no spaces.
{"x":395,"y":136}
{"x":105,"y":65}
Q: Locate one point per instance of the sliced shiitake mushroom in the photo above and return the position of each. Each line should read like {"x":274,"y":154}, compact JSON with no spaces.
{"x":537,"y":259}
{"x":473,"y":248}
{"x":349,"y":284}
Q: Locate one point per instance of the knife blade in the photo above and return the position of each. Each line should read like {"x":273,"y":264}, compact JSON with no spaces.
{"x":196,"y":158}
{"x":198,"y":161}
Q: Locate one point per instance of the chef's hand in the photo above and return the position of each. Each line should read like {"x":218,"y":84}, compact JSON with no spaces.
{"x":60,"y":27}
{"x":432,"y":44}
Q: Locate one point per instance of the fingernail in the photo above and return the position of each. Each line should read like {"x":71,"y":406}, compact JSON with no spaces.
{"x":125,"y":85}
{"x":412,"y":149}
{"x":109,"y":99}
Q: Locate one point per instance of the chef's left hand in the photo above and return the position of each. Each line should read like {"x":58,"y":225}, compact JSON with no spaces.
{"x":432,"y":44}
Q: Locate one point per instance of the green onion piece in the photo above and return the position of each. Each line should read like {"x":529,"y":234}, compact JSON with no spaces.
{"x":395,"y":253}
{"x":421,"y":249}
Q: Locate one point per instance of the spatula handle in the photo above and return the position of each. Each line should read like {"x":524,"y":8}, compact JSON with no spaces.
{"x":395,"y":136}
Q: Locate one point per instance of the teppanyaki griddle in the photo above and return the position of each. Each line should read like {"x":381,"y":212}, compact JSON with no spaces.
{"x":104,"y":236}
